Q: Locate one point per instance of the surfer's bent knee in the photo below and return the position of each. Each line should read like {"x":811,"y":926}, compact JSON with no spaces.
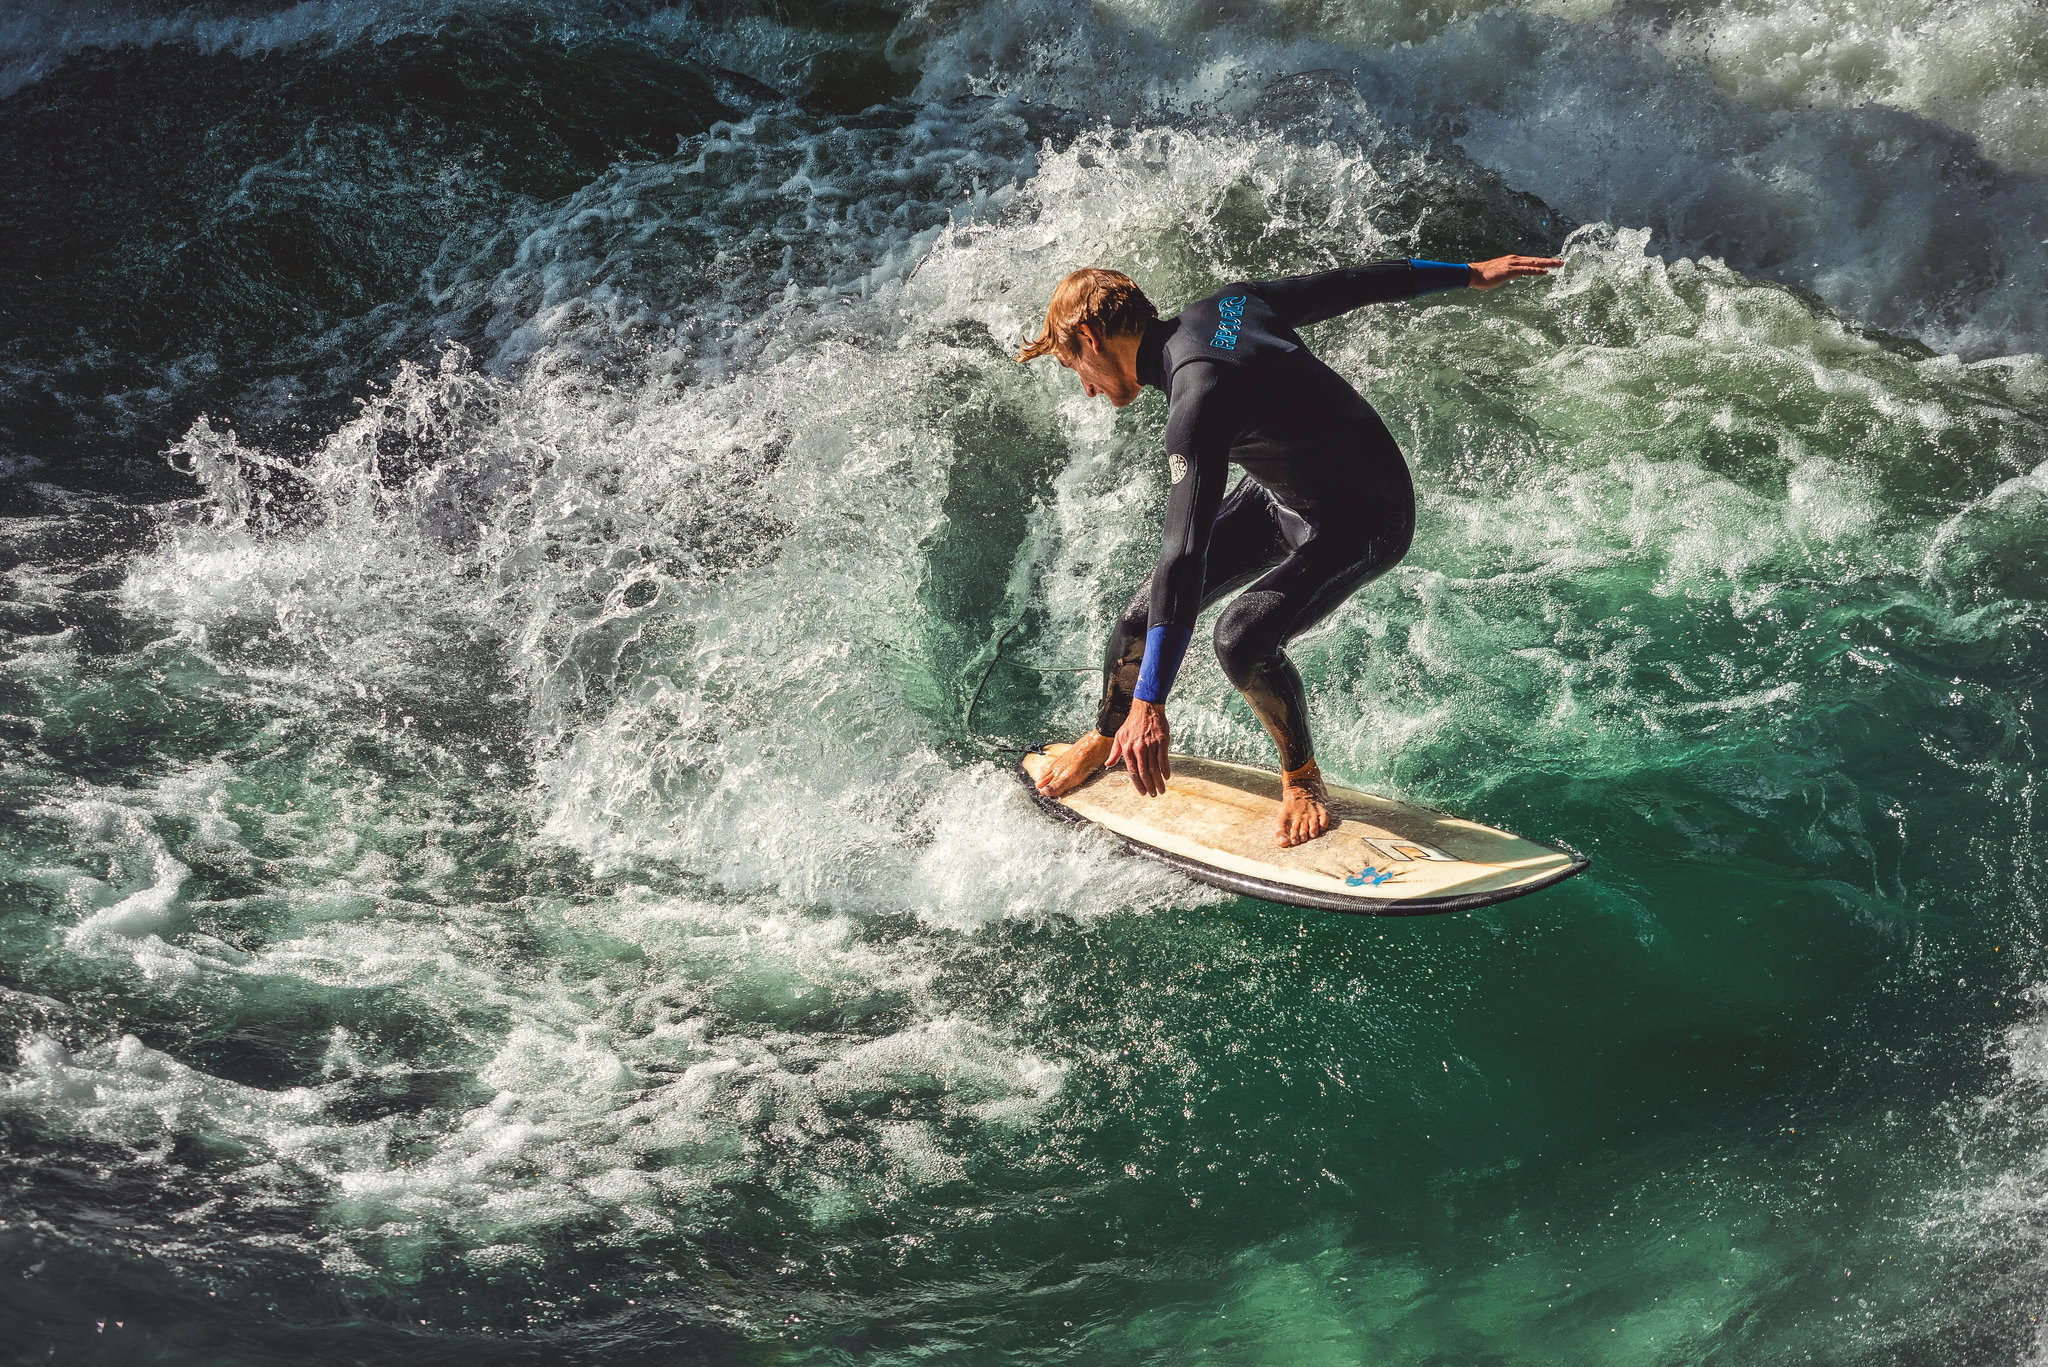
{"x":1249,"y":633}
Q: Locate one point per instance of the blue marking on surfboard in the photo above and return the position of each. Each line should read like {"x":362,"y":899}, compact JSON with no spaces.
{"x":1371,"y":875}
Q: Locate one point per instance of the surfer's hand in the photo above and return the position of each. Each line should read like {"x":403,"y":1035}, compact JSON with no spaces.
{"x":1487,"y":275}
{"x":1141,"y":745}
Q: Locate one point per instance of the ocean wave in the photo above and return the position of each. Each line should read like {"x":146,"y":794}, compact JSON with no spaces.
{"x":542,"y":839}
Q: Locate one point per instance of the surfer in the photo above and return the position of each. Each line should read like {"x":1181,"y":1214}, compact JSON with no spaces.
{"x":1325,"y":506}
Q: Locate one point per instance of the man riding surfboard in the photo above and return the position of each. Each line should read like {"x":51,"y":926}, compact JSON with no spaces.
{"x":1325,"y":507}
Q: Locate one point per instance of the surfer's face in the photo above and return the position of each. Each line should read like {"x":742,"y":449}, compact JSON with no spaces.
{"x":1107,"y":366}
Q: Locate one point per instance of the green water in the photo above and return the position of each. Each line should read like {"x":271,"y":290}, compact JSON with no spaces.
{"x":530,"y":870}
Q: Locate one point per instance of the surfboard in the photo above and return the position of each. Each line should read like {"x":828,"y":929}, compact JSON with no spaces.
{"x":1383,"y":857}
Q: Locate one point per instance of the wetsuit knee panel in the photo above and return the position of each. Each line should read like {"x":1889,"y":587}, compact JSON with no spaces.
{"x":1251,"y":629}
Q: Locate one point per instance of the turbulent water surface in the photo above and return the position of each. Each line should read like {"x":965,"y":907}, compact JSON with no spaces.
{"x":528,"y":562}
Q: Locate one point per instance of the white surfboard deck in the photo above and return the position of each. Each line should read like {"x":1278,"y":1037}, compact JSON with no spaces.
{"x":1215,"y":822}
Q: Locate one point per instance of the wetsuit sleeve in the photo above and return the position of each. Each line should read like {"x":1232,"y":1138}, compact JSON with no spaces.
{"x":1198,"y":436}
{"x":1304,"y":299}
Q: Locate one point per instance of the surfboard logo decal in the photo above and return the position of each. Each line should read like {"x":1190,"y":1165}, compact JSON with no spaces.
{"x":1370,"y":876}
{"x":1176,"y":468}
{"x":1230,"y":318}
{"x":1407,"y":851}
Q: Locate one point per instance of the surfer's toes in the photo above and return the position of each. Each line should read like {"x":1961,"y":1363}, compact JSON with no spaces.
{"x":1063,"y":779}
{"x":1304,"y":807}
{"x":1298,"y":828}
{"x":1074,"y":766}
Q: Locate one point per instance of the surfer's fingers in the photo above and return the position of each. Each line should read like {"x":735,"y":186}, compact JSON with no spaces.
{"x":1134,"y":760}
{"x":1146,"y":765}
{"x":1502,"y":269}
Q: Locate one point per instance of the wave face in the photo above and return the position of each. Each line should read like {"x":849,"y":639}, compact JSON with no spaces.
{"x":528,"y":564}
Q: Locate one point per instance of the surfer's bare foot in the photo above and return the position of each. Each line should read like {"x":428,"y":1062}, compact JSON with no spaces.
{"x":1304,"y":806}
{"x":1075,"y":765}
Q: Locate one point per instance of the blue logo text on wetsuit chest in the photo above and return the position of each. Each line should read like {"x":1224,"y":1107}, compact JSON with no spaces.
{"x":1232,"y":311}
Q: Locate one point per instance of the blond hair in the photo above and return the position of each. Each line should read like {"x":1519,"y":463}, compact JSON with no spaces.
{"x":1110,"y":302}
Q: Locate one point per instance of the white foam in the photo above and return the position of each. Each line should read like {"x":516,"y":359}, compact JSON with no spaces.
{"x":1882,"y":208}
{"x":136,"y":905}
{"x":1973,"y":67}
{"x":1984,"y":549}
{"x":124,"y":1090}
{"x":35,"y":39}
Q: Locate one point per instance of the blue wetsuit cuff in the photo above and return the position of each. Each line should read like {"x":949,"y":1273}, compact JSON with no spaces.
{"x":1164,"y":648}
{"x":1438,"y":275}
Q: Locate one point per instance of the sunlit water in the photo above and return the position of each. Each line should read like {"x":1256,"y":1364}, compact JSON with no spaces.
{"x":529,"y":565}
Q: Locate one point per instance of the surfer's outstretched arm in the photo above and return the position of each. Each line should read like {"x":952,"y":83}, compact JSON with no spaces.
{"x":1302,"y":300}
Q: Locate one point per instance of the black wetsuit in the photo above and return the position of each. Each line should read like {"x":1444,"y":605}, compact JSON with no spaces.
{"x":1325,"y":506}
